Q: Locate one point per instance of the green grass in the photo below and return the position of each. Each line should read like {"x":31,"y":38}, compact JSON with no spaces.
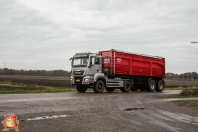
{"x":14,"y":88}
{"x":180,"y":88}
{"x":185,"y":93}
{"x":187,"y":102}
{"x":10,"y":84}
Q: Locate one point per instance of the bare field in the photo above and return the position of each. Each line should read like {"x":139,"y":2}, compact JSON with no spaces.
{"x":185,"y":84}
{"x":65,"y":81}
{"x":38,"y":80}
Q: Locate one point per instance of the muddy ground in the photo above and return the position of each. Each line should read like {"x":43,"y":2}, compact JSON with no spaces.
{"x":91,"y":112}
{"x":106,"y":112}
{"x":65,"y":81}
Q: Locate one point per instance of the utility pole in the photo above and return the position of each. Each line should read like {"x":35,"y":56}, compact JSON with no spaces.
{"x":4,"y":65}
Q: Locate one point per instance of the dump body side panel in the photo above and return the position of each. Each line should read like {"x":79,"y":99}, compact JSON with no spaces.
{"x":124,"y":63}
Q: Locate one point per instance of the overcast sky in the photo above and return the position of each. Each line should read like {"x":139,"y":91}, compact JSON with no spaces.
{"x":44,"y":34}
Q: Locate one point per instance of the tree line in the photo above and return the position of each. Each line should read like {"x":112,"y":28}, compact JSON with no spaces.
{"x":188,"y":76}
{"x":62,"y":73}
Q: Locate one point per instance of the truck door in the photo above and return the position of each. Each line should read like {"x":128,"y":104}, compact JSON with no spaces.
{"x":97,"y":67}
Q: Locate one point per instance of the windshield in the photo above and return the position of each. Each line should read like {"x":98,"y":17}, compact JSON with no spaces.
{"x":80,"y":62}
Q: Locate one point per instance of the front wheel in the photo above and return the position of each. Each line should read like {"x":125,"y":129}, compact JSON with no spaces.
{"x":81,"y":89}
{"x":99,"y":86}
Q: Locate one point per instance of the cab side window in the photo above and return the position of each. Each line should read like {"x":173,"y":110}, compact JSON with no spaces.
{"x":98,"y":61}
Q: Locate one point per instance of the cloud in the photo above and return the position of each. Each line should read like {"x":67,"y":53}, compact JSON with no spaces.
{"x":50,"y":32}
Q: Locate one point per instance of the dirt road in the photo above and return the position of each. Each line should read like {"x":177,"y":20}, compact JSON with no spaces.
{"x":106,"y":112}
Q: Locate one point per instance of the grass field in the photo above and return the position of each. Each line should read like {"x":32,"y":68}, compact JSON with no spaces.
{"x":187,"y":102}
{"x":185,"y":93}
{"x":47,"y":84}
{"x":7,"y":87}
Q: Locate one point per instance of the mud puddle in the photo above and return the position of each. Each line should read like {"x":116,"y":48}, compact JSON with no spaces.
{"x":131,"y":109}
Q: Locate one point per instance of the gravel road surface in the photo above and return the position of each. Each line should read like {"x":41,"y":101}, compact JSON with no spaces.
{"x":105,"y":112}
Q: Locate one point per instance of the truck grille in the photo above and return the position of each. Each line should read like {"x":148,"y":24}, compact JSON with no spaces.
{"x":78,"y":72}
{"x":78,"y":80}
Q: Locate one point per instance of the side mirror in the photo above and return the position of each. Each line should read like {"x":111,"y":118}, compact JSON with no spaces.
{"x":70,"y":58}
{"x":93,"y":61}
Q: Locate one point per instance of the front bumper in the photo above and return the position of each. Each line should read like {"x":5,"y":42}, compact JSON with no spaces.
{"x":82,"y":80}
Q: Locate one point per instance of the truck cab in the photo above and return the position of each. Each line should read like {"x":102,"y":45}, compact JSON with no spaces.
{"x":85,"y":67}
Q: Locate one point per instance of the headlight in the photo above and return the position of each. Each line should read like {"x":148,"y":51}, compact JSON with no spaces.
{"x":86,"y":80}
{"x":71,"y":79}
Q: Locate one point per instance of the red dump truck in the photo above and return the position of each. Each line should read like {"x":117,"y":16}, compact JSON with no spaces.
{"x":115,"y":69}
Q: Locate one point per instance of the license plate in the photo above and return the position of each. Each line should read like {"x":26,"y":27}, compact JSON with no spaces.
{"x":77,"y":80}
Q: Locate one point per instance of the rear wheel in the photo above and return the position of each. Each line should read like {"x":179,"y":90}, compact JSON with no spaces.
{"x":81,"y":89}
{"x":127,"y":87}
{"x":160,"y":86}
{"x":99,"y":86}
{"x":151,"y":85}
{"x":110,"y":89}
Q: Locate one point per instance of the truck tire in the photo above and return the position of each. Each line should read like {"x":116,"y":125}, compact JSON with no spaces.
{"x":99,"y":86}
{"x":81,"y":89}
{"x":110,"y":89}
{"x":160,"y":85}
{"x":151,"y":85}
{"x":127,"y":87}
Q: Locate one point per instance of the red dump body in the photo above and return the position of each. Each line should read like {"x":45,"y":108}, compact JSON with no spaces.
{"x":126,"y":63}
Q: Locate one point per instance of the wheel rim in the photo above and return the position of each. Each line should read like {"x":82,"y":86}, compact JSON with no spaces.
{"x":152,"y":85}
{"x":160,"y":85}
{"x":127,"y":86}
{"x":100,"y":86}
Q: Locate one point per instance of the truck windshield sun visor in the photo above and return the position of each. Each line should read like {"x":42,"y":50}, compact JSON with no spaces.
{"x":80,"y":62}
